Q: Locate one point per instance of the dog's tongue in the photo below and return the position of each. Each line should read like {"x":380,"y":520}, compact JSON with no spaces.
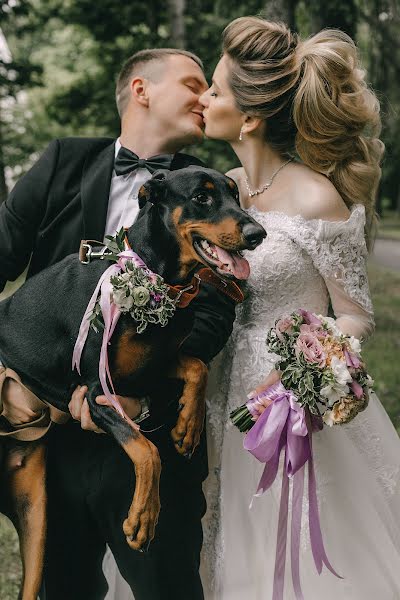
{"x":238,"y":265}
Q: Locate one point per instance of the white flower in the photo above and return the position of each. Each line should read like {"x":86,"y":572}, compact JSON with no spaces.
{"x":354,"y":344}
{"x":123,"y":301}
{"x":370,"y":381}
{"x":338,"y":388}
{"x":327,"y":418}
{"x":334,"y":391}
{"x":332,"y":325}
{"x":141,"y":295}
{"x":340,"y":371}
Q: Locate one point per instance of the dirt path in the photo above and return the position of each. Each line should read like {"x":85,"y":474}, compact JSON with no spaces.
{"x":386,"y":254}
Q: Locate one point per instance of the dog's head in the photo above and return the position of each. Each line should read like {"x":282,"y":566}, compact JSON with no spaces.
{"x":200,"y":207}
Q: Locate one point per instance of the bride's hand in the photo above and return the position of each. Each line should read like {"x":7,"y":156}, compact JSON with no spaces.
{"x":273,"y":377}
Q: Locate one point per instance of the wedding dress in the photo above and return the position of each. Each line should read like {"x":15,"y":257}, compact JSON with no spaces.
{"x":301,"y":264}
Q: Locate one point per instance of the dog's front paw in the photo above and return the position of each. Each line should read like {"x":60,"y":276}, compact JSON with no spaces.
{"x":139,"y":529}
{"x":187,"y":431}
{"x":139,"y":526}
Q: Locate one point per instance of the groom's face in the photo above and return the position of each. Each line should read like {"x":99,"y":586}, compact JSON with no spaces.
{"x":174,"y":100}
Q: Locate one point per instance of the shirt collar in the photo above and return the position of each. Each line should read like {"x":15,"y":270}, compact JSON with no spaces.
{"x":117,"y":147}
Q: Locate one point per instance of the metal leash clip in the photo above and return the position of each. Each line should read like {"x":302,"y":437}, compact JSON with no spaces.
{"x":145,"y":412}
{"x":90,"y":253}
{"x":179,"y":294}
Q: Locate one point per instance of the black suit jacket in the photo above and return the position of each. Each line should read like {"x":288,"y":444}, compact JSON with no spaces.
{"x":63,"y":199}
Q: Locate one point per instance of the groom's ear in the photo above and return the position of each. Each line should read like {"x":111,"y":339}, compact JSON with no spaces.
{"x":153,"y":190}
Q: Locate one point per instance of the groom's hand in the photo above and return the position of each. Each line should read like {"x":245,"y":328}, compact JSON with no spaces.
{"x":79,"y":408}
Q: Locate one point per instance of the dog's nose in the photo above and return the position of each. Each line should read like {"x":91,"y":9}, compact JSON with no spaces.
{"x":253,"y":234}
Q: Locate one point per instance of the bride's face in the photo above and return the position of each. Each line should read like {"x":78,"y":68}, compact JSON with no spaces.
{"x":222,"y":118}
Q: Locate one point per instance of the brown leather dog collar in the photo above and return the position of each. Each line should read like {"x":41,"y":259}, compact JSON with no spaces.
{"x":227,"y":287}
{"x":188,"y":293}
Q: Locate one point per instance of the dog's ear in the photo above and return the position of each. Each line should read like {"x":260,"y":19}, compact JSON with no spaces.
{"x":153,"y":190}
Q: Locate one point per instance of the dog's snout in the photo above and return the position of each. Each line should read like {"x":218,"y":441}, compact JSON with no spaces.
{"x":253,"y":234}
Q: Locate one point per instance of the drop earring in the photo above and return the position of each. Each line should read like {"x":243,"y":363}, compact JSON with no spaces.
{"x":241,"y":135}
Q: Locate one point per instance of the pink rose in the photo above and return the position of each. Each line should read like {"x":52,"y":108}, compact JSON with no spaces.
{"x":352,"y":360}
{"x":314,"y":329}
{"x":284,"y":325}
{"x":309,"y":317}
{"x":309,"y":346}
{"x":356,"y":389}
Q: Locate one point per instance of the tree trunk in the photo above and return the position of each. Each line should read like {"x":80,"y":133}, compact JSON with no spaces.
{"x":281,"y":10}
{"x":177,"y":22}
{"x":340,"y":14}
{"x":153,"y":20}
{"x":3,"y":185}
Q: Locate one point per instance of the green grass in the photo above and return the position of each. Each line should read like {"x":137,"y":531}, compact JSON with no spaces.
{"x":10,"y":566}
{"x":381,"y":354}
{"x":383,"y":349}
{"x":389,"y":226}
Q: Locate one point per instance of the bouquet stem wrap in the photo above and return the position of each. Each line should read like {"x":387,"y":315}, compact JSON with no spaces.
{"x":283,"y":425}
{"x":111,"y":315}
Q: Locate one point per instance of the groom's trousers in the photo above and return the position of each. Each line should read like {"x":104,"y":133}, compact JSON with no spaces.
{"x":90,"y":488}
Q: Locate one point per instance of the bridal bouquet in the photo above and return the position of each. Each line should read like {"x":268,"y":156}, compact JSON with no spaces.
{"x":321,"y":366}
{"x":323,"y":381}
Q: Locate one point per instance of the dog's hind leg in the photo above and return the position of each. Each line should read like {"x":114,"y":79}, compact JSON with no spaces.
{"x":26,"y":488}
{"x":139,"y":526}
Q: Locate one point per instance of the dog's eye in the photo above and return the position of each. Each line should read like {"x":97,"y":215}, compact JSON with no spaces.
{"x":203,"y":198}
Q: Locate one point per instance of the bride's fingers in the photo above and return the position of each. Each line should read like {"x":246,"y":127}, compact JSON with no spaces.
{"x":273,"y":377}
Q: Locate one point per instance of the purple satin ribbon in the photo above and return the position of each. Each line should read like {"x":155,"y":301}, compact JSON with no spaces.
{"x":111,"y":314}
{"x":283,"y":425}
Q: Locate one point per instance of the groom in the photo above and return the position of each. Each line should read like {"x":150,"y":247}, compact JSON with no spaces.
{"x":73,"y":192}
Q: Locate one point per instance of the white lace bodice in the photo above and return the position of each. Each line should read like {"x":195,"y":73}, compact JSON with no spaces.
{"x":301,"y":263}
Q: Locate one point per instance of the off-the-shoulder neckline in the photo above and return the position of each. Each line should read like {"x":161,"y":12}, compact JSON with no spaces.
{"x":253,"y":208}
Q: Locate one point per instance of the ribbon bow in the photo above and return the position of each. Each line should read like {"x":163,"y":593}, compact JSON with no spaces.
{"x":283,"y":425}
{"x":127,"y":161}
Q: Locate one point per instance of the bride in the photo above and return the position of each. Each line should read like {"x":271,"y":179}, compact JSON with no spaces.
{"x":273,"y":94}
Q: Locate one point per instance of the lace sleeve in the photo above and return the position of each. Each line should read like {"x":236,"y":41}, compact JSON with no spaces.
{"x":339,"y":252}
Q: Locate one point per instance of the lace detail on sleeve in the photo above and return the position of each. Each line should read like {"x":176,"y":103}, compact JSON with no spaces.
{"x":338,"y":250}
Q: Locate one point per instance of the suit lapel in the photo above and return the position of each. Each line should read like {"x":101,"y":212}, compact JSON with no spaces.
{"x":95,"y":191}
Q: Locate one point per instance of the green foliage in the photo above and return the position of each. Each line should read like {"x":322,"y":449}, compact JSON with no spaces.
{"x":382,"y":349}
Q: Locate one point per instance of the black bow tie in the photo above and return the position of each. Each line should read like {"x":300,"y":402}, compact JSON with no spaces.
{"x":127,"y":161}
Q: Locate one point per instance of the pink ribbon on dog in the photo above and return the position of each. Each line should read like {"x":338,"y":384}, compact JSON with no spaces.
{"x":283,"y":425}
{"x":111,"y":314}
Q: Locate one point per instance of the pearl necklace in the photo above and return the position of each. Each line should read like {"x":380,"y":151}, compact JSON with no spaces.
{"x":268,"y":183}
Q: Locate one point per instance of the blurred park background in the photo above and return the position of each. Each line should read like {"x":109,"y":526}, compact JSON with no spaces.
{"x":58,"y":64}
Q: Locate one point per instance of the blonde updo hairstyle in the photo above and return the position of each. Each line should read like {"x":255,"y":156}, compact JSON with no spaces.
{"x":314,"y":99}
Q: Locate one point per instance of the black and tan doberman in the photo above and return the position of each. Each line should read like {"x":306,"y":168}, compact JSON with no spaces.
{"x":190,"y":219}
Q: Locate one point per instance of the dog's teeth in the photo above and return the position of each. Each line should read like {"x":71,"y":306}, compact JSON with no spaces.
{"x":207,"y":248}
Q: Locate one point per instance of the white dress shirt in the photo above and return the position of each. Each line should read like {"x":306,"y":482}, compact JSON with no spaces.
{"x":123,"y":205}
